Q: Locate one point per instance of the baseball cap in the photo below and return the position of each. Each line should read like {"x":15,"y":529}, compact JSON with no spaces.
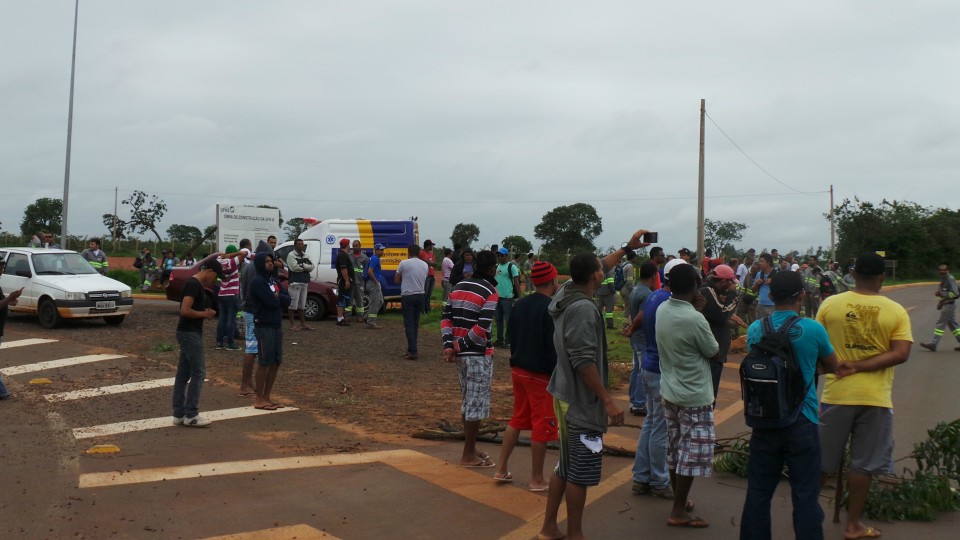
{"x":685,"y":251}
{"x":785,"y":285}
{"x":428,"y":242}
{"x":214,"y":264}
{"x":344,"y":242}
{"x":231,"y":249}
{"x":542,"y":272}
{"x":670,"y":266}
{"x":723,"y":272}
{"x":503,"y":251}
{"x":379,"y":246}
{"x":869,"y":264}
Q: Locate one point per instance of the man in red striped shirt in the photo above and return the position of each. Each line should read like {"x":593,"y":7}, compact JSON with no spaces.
{"x":465,"y":329}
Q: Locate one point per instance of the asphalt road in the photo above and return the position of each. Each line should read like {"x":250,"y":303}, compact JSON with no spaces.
{"x":291,"y":474}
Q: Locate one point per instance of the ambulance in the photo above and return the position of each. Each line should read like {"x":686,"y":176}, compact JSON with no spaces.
{"x":322,"y":241}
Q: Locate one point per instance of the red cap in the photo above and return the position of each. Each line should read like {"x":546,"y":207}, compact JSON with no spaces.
{"x":344,"y":242}
{"x":723,"y":272}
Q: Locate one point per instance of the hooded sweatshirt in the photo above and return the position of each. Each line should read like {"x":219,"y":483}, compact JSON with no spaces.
{"x":247,"y":273}
{"x":580,"y":339}
{"x":268,"y":298}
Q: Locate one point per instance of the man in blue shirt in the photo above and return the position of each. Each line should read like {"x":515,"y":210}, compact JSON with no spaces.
{"x":373,"y":286}
{"x":797,"y":446}
{"x":761,"y":285}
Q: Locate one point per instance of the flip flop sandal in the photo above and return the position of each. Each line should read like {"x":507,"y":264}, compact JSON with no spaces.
{"x":869,"y":533}
{"x":266,"y":408}
{"x":544,"y":489}
{"x":693,"y":523}
{"x":507,"y":478}
{"x":485,"y":464}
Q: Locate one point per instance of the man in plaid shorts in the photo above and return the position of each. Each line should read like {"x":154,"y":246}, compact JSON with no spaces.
{"x":686,"y":348}
{"x":465,"y":329}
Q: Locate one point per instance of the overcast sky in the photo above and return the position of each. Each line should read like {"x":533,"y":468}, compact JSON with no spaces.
{"x":485,"y":112}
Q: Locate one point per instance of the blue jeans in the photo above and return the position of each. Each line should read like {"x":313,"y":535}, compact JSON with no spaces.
{"x":504,"y":307}
{"x":412,"y":307}
{"x":227,"y":319}
{"x":190,"y":374}
{"x":650,"y":463}
{"x":428,"y":292}
{"x":638,"y":397}
{"x":797,"y":447}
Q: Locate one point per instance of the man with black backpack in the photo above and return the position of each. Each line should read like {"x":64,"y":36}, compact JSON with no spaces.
{"x":780,"y":404}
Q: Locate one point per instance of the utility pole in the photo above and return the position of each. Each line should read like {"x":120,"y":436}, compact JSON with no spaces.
{"x":700,"y":217}
{"x":66,"y":174}
{"x":833,"y":228}
{"x":116,"y":191}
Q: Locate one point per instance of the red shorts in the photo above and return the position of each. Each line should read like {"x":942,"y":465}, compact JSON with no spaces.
{"x":532,"y":405}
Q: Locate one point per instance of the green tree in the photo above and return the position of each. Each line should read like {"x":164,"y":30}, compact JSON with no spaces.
{"x":717,"y":235}
{"x":121,"y":226}
{"x":517,"y":243}
{"x":146,"y":211}
{"x":208,"y":234}
{"x":464,"y":234}
{"x":183,"y":233}
{"x":44,"y":214}
{"x":572,"y":228}
{"x":901,"y":229}
{"x":295,"y":227}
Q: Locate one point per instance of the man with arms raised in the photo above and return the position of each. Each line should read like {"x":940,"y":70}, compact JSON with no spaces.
{"x":871,"y":335}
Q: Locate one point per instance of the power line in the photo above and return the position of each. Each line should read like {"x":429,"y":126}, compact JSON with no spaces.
{"x":781,"y":182}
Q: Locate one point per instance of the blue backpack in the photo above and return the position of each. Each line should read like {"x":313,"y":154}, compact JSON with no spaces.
{"x":619,"y":280}
{"x":771,"y":382}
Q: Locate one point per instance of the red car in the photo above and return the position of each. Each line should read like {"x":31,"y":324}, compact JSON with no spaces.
{"x":321,"y":296}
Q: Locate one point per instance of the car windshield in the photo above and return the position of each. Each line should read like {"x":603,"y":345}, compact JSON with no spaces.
{"x":61,"y":264}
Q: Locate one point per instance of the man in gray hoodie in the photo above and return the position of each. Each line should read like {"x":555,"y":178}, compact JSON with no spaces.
{"x":581,"y":401}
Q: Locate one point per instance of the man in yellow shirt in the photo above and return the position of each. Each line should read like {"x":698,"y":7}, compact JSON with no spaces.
{"x":871,"y":334}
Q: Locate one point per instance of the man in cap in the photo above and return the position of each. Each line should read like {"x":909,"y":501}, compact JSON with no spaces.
{"x":373,"y":286}
{"x":532,"y":360}
{"x":871,"y":334}
{"x":191,"y":369}
{"x":650,"y":474}
{"x":228,"y":297}
{"x":345,"y":279}
{"x":798,"y":445}
{"x":427,"y":256}
{"x":720,"y":295}
{"x":508,"y":290}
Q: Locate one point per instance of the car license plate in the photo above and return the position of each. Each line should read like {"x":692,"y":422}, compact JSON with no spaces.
{"x":106,"y":305}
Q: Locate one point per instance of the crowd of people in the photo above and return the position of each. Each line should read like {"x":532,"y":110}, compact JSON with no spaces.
{"x":680,"y":317}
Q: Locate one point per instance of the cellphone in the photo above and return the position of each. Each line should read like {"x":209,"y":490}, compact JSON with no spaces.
{"x":650,"y":237}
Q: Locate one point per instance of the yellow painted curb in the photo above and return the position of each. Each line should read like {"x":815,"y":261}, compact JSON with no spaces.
{"x":42,"y":380}
{"x":103,"y":449}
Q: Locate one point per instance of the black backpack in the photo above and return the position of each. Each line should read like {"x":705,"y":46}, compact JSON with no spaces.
{"x":771,"y":382}
{"x":619,"y":280}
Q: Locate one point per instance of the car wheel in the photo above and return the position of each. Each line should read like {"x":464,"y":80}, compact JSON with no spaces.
{"x":48,"y":314}
{"x":114,"y":321}
{"x":315,"y":309}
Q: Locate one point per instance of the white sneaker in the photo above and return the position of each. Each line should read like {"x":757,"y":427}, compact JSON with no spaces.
{"x":196,"y":421}
{"x":177,"y":420}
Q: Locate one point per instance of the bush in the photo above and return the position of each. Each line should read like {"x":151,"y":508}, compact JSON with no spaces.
{"x":131,"y":278}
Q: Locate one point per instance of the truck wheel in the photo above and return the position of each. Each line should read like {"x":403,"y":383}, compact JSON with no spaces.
{"x":315,"y":309}
{"x":114,"y":321}
{"x":48,"y":314}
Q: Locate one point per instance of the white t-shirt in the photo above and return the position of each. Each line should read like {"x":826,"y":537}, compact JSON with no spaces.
{"x":413,"y":276}
{"x":742,"y":272}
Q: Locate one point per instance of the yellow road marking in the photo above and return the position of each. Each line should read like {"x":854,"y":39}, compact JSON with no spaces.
{"x":301,"y":532}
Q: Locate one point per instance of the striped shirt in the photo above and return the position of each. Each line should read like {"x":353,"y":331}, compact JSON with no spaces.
{"x":468,"y":316}
{"x":230,"y":285}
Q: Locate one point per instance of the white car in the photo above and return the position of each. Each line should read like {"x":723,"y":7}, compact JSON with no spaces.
{"x":59,"y":284}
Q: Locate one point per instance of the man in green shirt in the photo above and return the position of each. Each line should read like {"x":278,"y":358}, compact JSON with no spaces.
{"x":686,"y":348}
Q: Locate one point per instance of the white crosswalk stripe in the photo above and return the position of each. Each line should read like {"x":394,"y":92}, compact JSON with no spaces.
{"x":25,"y":343}
{"x":166,"y":422}
{"x":108,"y":390}
{"x":63,"y":362}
